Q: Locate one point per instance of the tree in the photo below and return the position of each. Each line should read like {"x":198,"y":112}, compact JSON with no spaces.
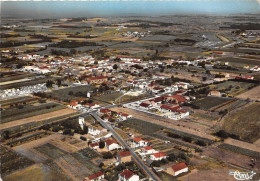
{"x":96,"y":62}
{"x":115,"y":66}
{"x":6,"y":135}
{"x":59,"y":82}
{"x":83,"y":138}
{"x":101,"y":144}
{"x":70,"y":93}
{"x":171,"y":157}
{"x":222,"y":134}
{"x":201,"y":143}
{"x":187,"y":139}
{"x":101,"y":165}
{"x":73,"y":51}
{"x":85,"y":130}
{"x":204,"y":78}
{"x":49,"y":83}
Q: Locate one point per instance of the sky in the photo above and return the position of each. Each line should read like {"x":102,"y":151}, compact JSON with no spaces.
{"x":59,"y":9}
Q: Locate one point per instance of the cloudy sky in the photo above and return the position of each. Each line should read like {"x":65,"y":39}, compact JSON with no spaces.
{"x":54,"y":9}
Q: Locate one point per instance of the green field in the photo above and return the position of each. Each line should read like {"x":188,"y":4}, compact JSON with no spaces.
{"x":14,"y":113}
{"x":244,"y":123}
{"x":210,"y":102}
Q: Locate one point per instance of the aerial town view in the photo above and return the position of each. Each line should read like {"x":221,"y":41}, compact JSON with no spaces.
{"x":130,"y":90}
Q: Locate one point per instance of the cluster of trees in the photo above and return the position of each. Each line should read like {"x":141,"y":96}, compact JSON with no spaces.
{"x":224,"y":135}
{"x":181,"y":156}
{"x":187,"y":139}
{"x":73,"y":44}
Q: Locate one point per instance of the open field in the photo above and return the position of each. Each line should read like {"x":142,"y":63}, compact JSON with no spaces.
{"x":234,"y":86}
{"x":28,"y":138}
{"x":239,"y":60}
{"x":37,"y":124}
{"x":237,"y":149}
{"x":228,"y":157}
{"x":11,"y":161}
{"x":182,"y":126}
{"x":244,"y":122}
{"x":14,"y":113}
{"x":37,"y":118}
{"x":233,"y":105}
{"x":209,"y":174}
{"x":50,"y":151}
{"x":25,"y":83}
{"x":63,"y":94}
{"x":13,"y":101}
{"x":109,"y":97}
{"x":253,"y":94}
{"x":11,"y":76}
{"x":209,"y":102}
{"x":39,"y":172}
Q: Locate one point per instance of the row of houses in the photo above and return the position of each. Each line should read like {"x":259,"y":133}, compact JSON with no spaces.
{"x":107,"y":113}
{"x":167,"y":105}
{"x":125,"y":175}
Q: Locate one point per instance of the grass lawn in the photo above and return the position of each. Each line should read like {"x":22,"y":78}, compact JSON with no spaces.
{"x":210,"y":102}
{"x":244,"y":123}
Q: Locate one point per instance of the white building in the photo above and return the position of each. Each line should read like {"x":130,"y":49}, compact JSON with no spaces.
{"x":112,"y":145}
{"x":158,"y":156}
{"x":139,"y":142}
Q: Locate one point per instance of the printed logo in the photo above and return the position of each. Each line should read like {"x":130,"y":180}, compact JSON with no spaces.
{"x":242,"y":175}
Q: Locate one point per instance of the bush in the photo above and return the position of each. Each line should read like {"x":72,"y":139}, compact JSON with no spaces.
{"x":67,"y":131}
{"x":101,"y":144}
{"x":187,"y":139}
{"x":200,"y":143}
{"x":107,"y":155}
{"x":83,"y":138}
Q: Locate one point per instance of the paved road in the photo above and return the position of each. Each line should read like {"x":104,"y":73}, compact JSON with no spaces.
{"x":150,"y":173}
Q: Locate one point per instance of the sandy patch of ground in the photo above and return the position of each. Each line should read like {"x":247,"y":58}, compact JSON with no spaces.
{"x":253,"y":94}
{"x":228,"y":157}
{"x":216,"y":175}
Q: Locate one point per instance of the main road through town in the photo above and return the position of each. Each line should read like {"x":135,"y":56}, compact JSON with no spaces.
{"x":149,"y":172}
